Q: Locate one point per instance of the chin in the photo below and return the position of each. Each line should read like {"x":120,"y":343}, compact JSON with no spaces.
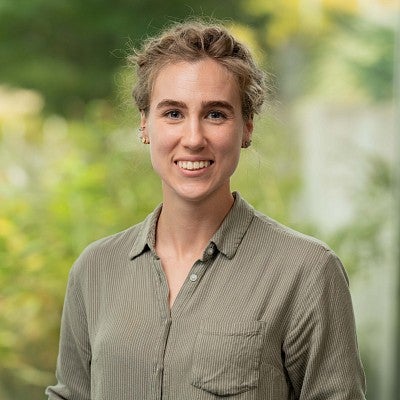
{"x":197,"y":195}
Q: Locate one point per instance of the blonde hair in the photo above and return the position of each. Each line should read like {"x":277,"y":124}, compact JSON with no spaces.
{"x":192,"y":41}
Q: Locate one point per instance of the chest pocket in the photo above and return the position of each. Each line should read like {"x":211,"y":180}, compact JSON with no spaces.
{"x":226,"y":357}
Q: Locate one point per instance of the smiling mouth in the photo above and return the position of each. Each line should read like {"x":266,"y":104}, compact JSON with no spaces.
{"x":193,"y":165}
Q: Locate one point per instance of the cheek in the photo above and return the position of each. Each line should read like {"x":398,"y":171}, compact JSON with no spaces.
{"x":162,"y":136}
{"x":231,"y":152}
{"x":232,"y":147}
{"x":160,"y":150}
{"x":156,"y":155}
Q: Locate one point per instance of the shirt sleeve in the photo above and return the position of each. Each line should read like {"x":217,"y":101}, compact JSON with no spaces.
{"x":320,"y":350}
{"x":74,"y":358}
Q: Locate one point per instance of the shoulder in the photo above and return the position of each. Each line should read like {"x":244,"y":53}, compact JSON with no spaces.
{"x":108,"y":253}
{"x":295,"y":251}
{"x":279,"y":234}
{"x":120,"y":241}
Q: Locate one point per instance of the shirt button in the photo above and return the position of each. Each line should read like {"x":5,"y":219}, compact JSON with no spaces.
{"x":210,"y":251}
{"x":193,"y":277}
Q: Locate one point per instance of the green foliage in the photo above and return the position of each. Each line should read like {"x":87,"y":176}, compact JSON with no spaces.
{"x":367,"y":51}
{"x":366,"y":240}
{"x":268,"y":175}
{"x":68,"y":49}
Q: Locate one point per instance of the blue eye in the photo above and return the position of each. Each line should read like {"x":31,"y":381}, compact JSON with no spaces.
{"x":216,"y":115}
{"x":174,"y":114}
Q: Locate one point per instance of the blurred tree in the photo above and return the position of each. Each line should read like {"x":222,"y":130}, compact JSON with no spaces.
{"x":68,"y":49}
{"x":368,"y":50}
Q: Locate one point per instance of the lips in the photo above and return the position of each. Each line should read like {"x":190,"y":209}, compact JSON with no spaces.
{"x":194,"y":165}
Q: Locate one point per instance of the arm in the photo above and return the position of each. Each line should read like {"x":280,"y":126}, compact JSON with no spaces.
{"x":73,"y":363}
{"x":321,"y":353}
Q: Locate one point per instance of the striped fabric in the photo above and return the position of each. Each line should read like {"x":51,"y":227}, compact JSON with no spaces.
{"x":265,"y":314}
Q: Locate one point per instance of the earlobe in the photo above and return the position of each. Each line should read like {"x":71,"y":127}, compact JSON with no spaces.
{"x":142,"y":118}
{"x":247,"y":132}
{"x":143,"y":136}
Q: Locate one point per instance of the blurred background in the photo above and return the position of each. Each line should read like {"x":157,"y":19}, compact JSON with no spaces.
{"x":325,"y":158}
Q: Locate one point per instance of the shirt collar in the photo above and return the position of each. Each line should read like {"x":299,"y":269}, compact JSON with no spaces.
{"x":146,"y":238}
{"x":234,"y":226}
{"x":226,"y":239}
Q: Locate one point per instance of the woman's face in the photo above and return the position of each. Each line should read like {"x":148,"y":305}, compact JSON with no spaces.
{"x":196,"y":129}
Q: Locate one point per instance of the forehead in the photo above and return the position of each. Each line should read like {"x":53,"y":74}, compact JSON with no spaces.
{"x":203,"y":80}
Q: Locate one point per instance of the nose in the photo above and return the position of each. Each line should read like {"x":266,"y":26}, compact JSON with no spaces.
{"x":193,"y":136}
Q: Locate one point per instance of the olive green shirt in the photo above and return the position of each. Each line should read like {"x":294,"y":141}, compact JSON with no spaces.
{"x":265,"y":314}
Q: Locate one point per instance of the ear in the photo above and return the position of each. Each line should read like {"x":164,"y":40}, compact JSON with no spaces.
{"x":248,"y":127}
{"x":143,"y":118}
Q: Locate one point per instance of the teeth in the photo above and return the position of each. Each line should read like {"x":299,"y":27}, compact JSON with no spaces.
{"x":193,"y":165}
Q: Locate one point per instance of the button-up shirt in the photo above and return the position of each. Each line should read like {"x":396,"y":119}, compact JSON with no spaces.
{"x":264,"y":314}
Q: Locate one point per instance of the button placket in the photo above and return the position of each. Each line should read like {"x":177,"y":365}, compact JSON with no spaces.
{"x":188,"y":287}
{"x":164,"y":329}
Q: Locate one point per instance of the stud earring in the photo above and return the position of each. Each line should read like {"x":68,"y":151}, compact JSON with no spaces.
{"x":143,"y":139}
{"x":246,"y":144}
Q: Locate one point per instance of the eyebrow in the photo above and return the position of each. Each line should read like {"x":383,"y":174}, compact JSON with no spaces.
{"x":170,"y":103}
{"x":205,"y":104}
{"x":219,"y":104}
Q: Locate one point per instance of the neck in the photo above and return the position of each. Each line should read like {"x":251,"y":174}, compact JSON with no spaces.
{"x":187,"y":226}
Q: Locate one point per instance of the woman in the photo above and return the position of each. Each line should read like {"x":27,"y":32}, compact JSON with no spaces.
{"x":205,"y":298}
